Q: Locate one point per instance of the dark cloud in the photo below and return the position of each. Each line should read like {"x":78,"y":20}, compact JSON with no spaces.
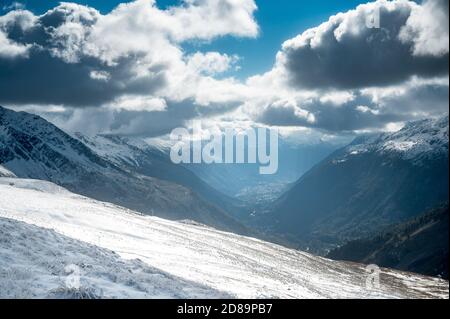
{"x":156,"y":123}
{"x":74,"y":56}
{"x":362,"y":112}
{"x":345,"y":54}
{"x":153,"y":123}
{"x":43,"y":77}
{"x":430,"y":99}
{"x":93,"y":120}
{"x":364,"y":78}
{"x":343,"y":118}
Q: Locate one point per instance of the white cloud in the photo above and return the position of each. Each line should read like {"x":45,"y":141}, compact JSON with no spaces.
{"x":100,"y":75}
{"x":11,"y":49}
{"x":8,"y":47}
{"x":337,"y":97}
{"x":140,"y":26}
{"x":428,"y":28}
{"x":211,"y":63}
{"x":207,"y":19}
{"x":365,"y":109}
{"x":140,"y":103}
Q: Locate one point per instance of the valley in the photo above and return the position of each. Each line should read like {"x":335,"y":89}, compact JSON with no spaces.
{"x":366,"y":184}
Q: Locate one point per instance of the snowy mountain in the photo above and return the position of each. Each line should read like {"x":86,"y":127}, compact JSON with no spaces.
{"x":416,"y":142}
{"x":138,"y":156}
{"x":120,"y":253}
{"x":368,"y":185}
{"x":31,"y":147}
{"x":239,"y":188}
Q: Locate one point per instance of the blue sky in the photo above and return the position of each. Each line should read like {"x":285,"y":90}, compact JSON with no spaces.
{"x":278,"y":20}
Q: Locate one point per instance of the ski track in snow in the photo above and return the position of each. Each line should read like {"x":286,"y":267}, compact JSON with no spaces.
{"x":206,"y":262}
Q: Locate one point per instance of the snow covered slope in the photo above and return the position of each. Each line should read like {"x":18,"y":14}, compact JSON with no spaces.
{"x":188,"y":256}
{"x":31,"y":147}
{"x":36,"y":263}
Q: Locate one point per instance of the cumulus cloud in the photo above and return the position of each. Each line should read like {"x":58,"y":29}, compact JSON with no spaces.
{"x":42,"y":79}
{"x":345,"y":53}
{"x":10,"y":49}
{"x":14,"y":22}
{"x":286,"y":113}
{"x":211,"y":63}
{"x":427,"y":28}
{"x":159,"y":118}
{"x":345,"y":76}
{"x":126,"y":72}
{"x":206,"y":19}
{"x":74,"y":56}
{"x":415,"y":98}
{"x":366,"y":109}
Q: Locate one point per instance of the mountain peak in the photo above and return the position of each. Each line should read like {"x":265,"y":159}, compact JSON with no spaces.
{"x":415,"y":141}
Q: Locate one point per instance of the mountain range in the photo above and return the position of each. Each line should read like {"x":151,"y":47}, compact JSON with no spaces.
{"x":374,"y":182}
{"x":372,"y":186}
{"x":31,"y":147}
